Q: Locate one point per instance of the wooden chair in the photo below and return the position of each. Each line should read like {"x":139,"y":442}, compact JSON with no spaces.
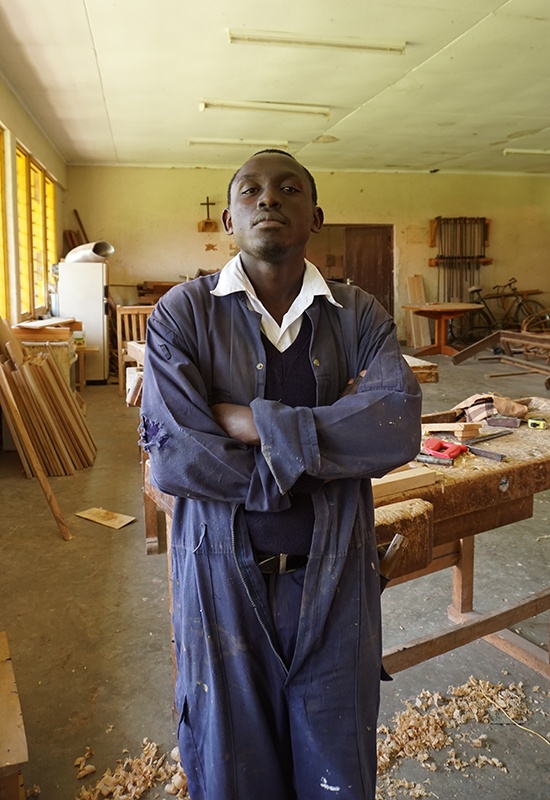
{"x":131,"y":324}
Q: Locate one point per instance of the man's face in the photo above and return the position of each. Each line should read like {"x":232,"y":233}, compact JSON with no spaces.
{"x":272,"y":212}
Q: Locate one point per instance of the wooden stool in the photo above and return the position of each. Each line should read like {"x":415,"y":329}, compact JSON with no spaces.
{"x":13,"y":741}
{"x":82,"y":368}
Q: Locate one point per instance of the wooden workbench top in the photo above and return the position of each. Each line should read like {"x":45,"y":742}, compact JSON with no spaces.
{"x":478,"y":494}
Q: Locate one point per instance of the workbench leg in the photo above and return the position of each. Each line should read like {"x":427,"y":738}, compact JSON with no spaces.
{"x":81,"y":370}
{"x":150,"y":515}
{"x":463,"y":580}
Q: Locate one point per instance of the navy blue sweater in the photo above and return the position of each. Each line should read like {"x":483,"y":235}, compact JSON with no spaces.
{"x":289,"y":380}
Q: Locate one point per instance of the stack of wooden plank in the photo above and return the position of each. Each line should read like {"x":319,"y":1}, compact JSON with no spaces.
{"x":43,"y":414}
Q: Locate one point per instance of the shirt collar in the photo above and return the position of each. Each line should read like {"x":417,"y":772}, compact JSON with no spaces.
{"x":233,"y":278}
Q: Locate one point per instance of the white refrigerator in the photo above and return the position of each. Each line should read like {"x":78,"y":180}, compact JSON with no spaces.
{"x":82,"y":290}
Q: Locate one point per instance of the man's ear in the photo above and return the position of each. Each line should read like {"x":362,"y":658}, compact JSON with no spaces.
{"x":318,"y":219}
{"x":226,"y":221}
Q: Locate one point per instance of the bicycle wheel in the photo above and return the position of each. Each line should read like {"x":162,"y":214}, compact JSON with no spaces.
{"x":539,"y":322}
{"x":527,"y":308}
{"x":471,"y":328}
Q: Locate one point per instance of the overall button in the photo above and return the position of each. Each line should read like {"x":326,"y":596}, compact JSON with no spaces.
{"x":259,"y":366}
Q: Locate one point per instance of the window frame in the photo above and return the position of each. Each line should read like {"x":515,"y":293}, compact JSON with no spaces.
{"x":4,"y":273}
{"x":36,"y":239}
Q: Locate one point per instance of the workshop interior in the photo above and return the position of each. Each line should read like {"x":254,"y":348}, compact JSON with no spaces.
{"x":426,"y":126}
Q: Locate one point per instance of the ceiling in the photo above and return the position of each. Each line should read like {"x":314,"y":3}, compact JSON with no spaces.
{"x":121,"y":82}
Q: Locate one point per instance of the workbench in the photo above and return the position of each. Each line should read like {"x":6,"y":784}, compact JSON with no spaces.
{"x":440,"y":522}
{"x":474,"y":496}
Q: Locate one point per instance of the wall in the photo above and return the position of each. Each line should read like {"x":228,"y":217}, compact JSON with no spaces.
{"x":151,"y":216}
{"x":20,"y":128}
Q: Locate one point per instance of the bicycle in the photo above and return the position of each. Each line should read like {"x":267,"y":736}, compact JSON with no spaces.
{"x":481,"y":323}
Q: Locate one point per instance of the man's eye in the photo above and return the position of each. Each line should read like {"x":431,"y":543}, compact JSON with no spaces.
{"x":249,"y":190}
{"x":290,"y":189}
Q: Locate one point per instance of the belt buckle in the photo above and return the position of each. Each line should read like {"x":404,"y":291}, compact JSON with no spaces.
{"x":276,"y":563}
{"x":282,"y":564}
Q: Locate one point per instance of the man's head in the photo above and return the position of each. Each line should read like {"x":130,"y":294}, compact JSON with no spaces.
{"x":272,"y":207}
{"x":282,"y":153}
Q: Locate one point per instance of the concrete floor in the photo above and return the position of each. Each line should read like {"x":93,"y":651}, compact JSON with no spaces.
{"x":88,"y":627}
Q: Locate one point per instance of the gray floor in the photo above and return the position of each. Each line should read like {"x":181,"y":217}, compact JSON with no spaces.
{"x":88,"y":627}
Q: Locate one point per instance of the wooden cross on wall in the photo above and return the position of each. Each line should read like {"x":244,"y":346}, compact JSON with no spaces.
{"x":208,"y":225}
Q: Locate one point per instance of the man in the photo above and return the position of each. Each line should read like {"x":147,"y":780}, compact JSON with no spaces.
{"x":252,"y":419}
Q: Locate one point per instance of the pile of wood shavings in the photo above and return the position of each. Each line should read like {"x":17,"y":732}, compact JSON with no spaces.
{"x":425,"y":727}
{"x":132,"y":777}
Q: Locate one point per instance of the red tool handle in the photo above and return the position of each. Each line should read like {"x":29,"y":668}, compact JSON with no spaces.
{"x":443,"y":449}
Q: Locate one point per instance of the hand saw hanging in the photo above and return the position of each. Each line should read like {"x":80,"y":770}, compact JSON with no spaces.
{"x":461,"y":243}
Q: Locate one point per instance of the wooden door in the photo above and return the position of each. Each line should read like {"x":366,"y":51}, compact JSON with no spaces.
{"x":368,"y":260}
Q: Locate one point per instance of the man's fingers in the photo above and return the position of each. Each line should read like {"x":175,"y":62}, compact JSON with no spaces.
{"x":353,"y":384}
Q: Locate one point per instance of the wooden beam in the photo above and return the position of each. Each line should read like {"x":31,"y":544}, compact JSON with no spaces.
{"x":477,"y":347}
{"x":536,"y":658}
{"x":477,"y":626}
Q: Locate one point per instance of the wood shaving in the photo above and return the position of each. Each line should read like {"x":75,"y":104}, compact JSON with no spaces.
{"x":426,"y":725}
{"x":132,"y":777}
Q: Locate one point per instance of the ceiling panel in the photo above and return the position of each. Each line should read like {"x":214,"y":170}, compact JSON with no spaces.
{"x":111,"y":81}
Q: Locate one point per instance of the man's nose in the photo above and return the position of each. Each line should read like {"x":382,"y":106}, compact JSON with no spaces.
{"x":269,"y":198}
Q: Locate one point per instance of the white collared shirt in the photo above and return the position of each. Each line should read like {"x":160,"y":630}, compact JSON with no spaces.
{"x":233,"y":278}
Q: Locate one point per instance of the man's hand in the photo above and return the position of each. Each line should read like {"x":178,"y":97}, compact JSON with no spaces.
{"x":353,"y":384}
{"x":237,"y":421}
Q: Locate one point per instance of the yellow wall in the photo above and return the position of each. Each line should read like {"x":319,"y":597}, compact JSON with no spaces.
{"x":23,"y":128}
{"x":151,"y":216}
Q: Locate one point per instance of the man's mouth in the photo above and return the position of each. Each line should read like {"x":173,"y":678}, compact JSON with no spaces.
{"x":269,"y":218}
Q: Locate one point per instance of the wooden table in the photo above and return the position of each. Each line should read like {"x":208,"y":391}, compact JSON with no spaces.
{"x":440,"y":522}
{"x":442,"y":313}
{"x":474,"y":496}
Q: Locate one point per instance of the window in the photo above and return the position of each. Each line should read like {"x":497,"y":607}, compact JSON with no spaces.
{"x":36,"y":234}
{"x":4,"y":305}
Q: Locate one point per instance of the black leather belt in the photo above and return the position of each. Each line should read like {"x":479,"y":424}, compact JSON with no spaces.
{"x":279,"y":563}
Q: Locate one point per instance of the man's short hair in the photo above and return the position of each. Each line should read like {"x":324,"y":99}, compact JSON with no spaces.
{"x":282,"y":153}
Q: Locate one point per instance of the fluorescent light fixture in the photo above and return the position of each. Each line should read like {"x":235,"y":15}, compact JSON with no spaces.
{"x":297,"y":39}
{"x":509,"y":151}
{"x":239,"y":142}
{"x":265,"y":105}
